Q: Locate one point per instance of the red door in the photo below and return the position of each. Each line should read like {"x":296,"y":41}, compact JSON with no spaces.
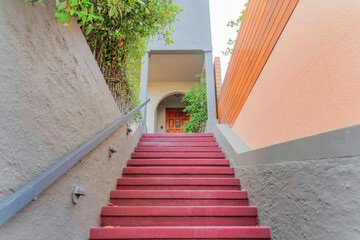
{"x":175,"y":120}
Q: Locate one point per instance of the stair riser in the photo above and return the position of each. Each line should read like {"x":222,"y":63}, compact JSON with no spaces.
{"x":176,"y":155}
{"x":178,"y":221}
{"x":177,"y":165}
{"x":177,"y":188}
{"x":179,"y":202}
{"x":207,"y":139}
{"x":127,"y":238}
{"x":178,"y":144}
{"x":178,"y":175}
{"x":178,"y":162}
{"x":181,"y":150}
{"x":176,"y":135}
{"x":178,"y":184}
{"x":175,"y":233}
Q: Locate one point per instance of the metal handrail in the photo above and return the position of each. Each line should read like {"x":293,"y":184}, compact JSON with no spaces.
{"x":30,"y":191}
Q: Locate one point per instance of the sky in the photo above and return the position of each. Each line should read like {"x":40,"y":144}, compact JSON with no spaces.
{"x":222,"y":11}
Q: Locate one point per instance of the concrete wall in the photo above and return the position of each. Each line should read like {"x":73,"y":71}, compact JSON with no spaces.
{"x":168,"y":102}
{"x":157,"y":91}
{"x":53,"y":99}
{"x":306,"y":188}
{"x":310,"y":82}
{"x":193,"y":31}
{"x":54,"y":216}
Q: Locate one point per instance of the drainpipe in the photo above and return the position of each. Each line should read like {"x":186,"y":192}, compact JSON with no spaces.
{"x":143,"y":88}
{"x":210,"y":92}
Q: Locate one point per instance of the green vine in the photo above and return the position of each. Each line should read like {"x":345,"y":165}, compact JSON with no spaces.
{"x":232,"y":23}
{"x":118,"y":32}
{"x":196,"y":107}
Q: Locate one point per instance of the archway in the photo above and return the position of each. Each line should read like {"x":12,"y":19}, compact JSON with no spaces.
{"x":169,"y":101}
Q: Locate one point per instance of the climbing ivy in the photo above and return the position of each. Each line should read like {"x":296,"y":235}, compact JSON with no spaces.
{"x":118,"y":33}
{"x":233,"y":23}
{"x":196,"y":107}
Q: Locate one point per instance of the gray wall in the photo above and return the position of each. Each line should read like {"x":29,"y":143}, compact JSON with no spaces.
{"x":53,"y":96}
{"x":53,"y":99}
{"x":193,"y":31}
{"x":307,"y":188}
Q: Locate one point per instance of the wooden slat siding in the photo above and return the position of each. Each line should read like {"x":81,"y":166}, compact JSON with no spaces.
{"x":242,"y":35}
{"x":261,"y":28}
{"x":217,"y":68}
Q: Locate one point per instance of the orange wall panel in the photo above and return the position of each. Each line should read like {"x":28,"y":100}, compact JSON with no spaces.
{"x":310,"y":84}
{"x":262,"y":26}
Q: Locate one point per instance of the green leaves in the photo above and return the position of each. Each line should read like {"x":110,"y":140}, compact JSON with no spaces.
{"x":196,"y":106}
{"x":232,"y":23}
{"x":118,"y":32}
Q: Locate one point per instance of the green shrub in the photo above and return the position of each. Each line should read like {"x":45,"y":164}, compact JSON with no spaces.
{"x":196,"y":107}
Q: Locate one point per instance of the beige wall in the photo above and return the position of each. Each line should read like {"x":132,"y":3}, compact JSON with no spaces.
{"x":53,"y":99}
{"x":157,"y":91}
{"x":168,"y":102}
{"x":310,"y":84}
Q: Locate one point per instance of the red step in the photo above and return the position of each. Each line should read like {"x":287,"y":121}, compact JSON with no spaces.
{"x":217,"y":172}
{"x":173,"y":139}
{"x":178,"y":162}
{"x":176,"y":135}
{"x":179,"y":198}
{"x":177,"y":155}
{"x":177,"y":149}
{"x":178,"y":184}
{"x":189,"y":233}
{"x":178,"y":216}
{"x":178,"y":144}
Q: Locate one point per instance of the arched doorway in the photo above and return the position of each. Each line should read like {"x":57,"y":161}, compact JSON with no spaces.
{"x":169,"y":115}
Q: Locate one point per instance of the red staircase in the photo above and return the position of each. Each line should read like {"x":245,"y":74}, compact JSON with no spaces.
{"x":178,"y":186}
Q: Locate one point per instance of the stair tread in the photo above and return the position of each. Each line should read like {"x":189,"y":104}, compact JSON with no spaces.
{"x":178,"y":181}
{"x":177,"y":149}
{"x":182,"y":135}
{"x":178,"y":170}
{"x":173,"y":139}
{"x":180,"y":194}
{"x":179,"y":162}
{"x":178,"y":144}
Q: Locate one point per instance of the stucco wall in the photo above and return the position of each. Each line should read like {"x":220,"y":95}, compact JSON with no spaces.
{"x":306,"y":188}
{"x":53,"y":99}
{"x":157,"y":91}
{"x":310,"y":199}
{"x":193,"y":31}
{"x":54,"y":216}
{"x":310,"y":83}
